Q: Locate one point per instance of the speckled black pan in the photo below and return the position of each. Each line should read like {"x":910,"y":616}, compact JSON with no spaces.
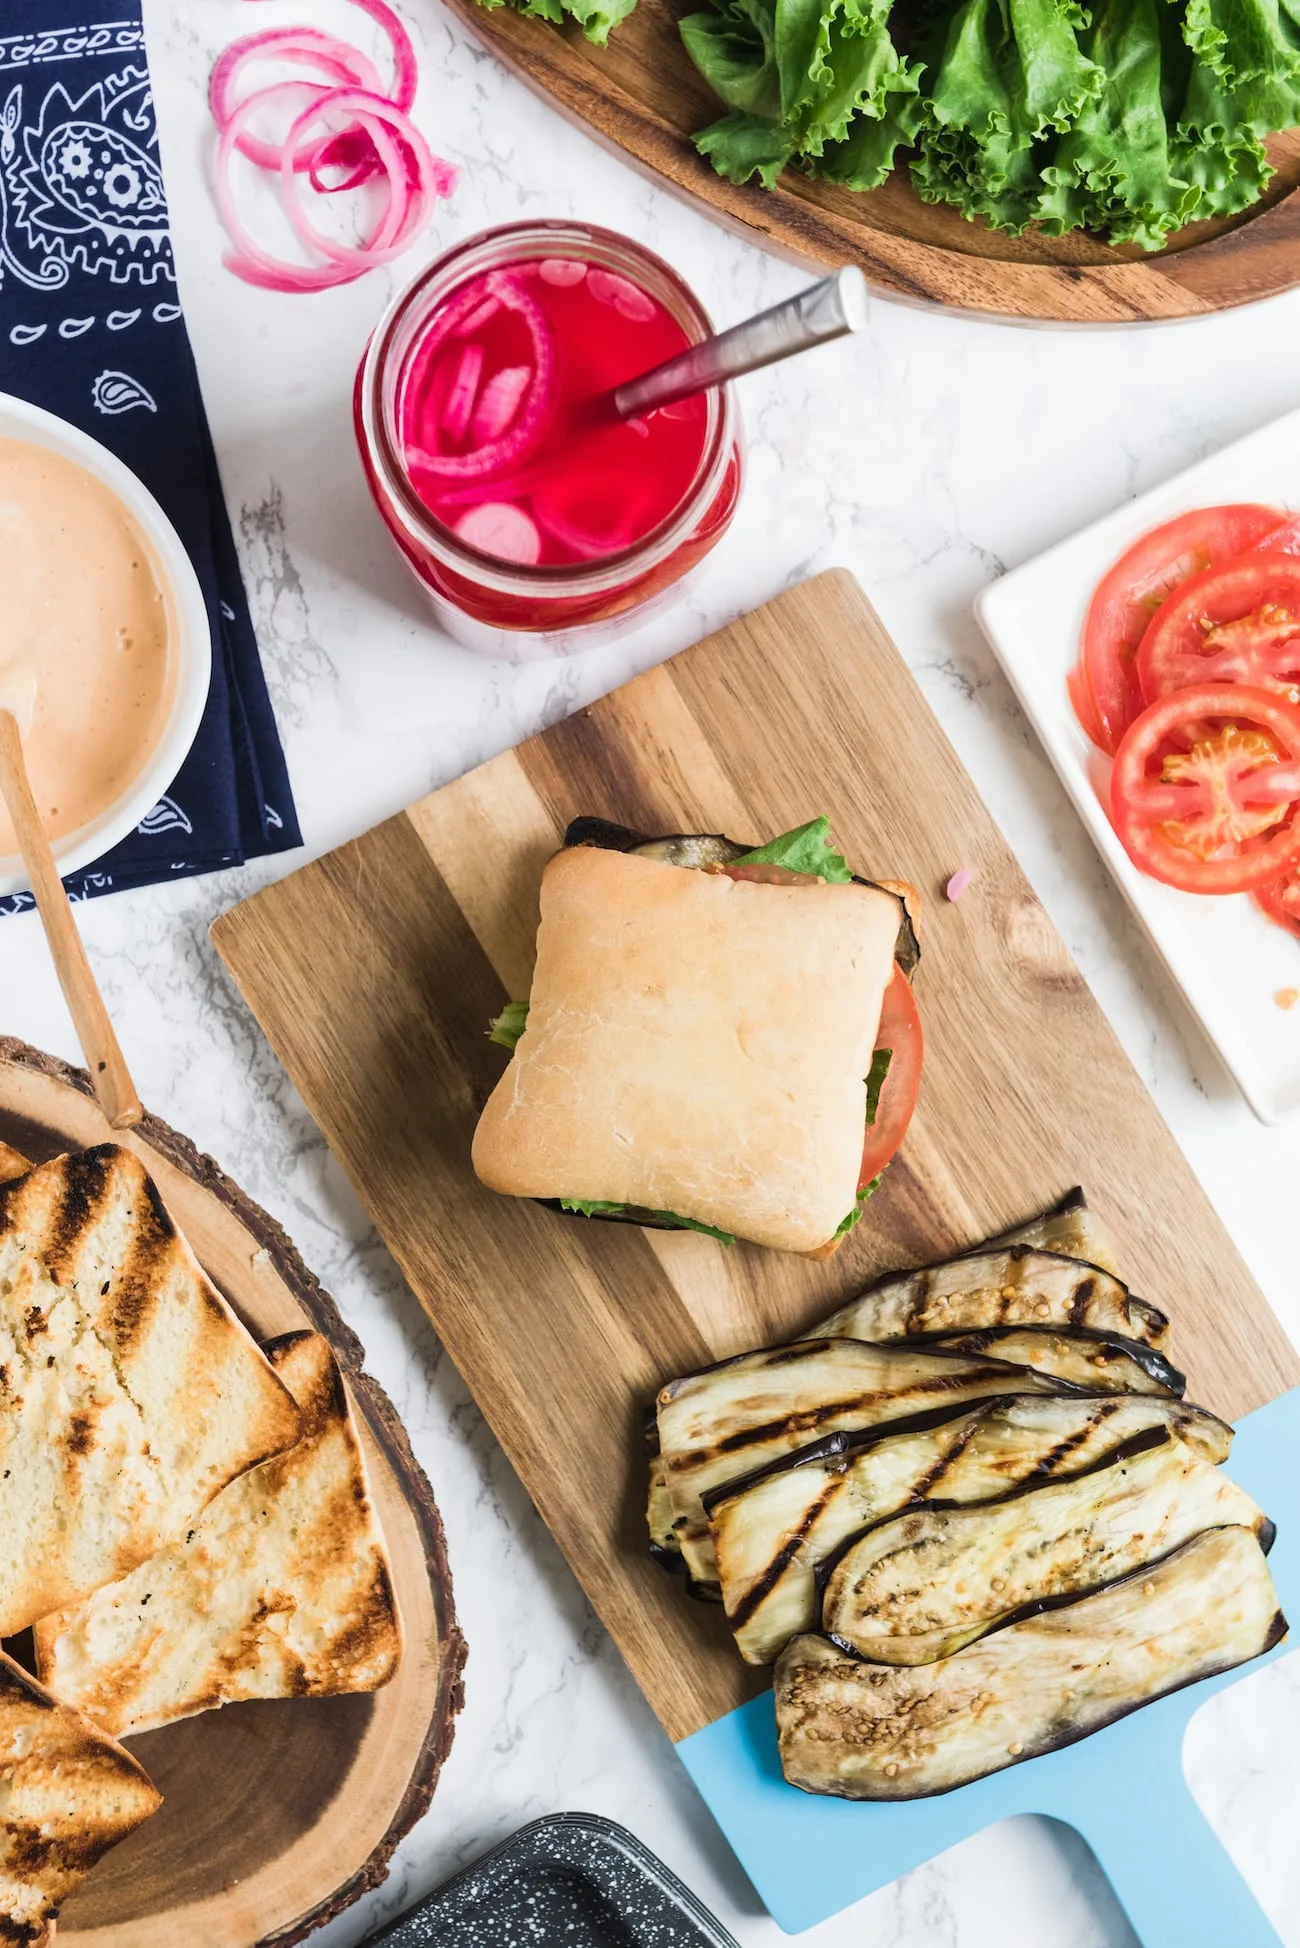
{"x":572,"y":1881}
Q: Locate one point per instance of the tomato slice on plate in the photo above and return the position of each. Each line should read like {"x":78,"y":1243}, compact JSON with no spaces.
{"x":1280,"y":899}
{"x":900,"y":1032}
{"x":1236,"y":624}
{"x":1205,"y":788}
{"x":1129,"y":595}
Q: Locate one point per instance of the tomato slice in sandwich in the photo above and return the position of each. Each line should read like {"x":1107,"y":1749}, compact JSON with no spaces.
{"x":1205,"y":789}
{"x":899,"y":1032}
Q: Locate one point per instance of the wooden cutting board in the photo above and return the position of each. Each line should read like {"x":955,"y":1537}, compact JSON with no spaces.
{"x":276,"y":1814}
{"x":642,"y":97}
{"x":375,"y":972}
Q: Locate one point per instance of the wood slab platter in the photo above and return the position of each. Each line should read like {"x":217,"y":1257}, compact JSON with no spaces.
{"x":376,"y":970}
{"x":642,"y":97}
{"x":277,"y":1814}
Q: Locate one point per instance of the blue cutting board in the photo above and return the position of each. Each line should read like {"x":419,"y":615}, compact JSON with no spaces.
{"x":1123,"y":1789}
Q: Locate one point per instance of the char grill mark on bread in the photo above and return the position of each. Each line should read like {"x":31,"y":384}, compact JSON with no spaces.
{"x":695,"y":1044}
{"x":129,"y":1392}
{"x":281,"y":1589}
{"x":69,"y":1795}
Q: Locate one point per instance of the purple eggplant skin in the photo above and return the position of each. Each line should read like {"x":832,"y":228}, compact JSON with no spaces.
{"x":1126,"y":1364}
{"x":997,"y":1285}
{"x":872,"y":1732}
{"x":922,"y":1584}
{"x":735,"y":1416}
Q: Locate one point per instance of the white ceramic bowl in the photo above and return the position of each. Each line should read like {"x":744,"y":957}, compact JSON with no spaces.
{"x":190,"y":639}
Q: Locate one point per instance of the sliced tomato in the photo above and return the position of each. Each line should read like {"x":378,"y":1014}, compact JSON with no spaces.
{"x":900,"y":1032}
{"x":1205,"y":788}
{"x":1129,"y":595}
{"x":1239,"y":623}
{"x":1280,"y":899}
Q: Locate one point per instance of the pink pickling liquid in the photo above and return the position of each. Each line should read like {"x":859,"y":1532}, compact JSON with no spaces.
{"x":496,"y":420}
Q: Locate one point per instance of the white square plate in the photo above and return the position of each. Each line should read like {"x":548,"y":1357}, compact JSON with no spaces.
{"x":1229,"y":961}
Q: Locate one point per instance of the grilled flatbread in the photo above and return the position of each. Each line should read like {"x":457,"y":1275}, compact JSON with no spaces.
{"x":696,"y":1045}
{"x":11,"y":1164}
{"x":130,"y":1394}
{"x":281,"y":1590}
{"x":67,"y":1794}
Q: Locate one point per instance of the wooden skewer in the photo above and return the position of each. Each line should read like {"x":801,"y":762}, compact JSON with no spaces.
{"x":99,"y":1044}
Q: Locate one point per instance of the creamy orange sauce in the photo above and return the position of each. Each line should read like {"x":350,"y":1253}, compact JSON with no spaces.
{"x":1287,"y":997}
{"x":84,"y":637}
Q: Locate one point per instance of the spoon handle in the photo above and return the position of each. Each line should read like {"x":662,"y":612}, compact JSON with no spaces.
{"x":824,"y":311}
{"x":99,"y":1044}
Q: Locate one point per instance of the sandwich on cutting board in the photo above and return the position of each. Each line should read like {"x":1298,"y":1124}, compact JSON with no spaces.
{"x":719,"y":1038}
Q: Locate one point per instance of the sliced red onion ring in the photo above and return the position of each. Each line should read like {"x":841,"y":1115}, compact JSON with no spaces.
{"x":500,"y":529}
{"x":582,"y":542}
{"x":455,"y":416}
{"x":538,"y":402}
{"x":499,"y":402}
{"x":408,"y":173}
{"x":343,"y":65}
{"x":402,"y":153}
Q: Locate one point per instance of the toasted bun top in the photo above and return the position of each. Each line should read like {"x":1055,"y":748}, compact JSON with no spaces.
{"x":695,"y":1044}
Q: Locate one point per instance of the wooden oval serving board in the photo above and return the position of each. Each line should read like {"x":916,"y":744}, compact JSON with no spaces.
{"x":642,"y":95}
{"x":277,"y":1814}
{"x":375,"y":971}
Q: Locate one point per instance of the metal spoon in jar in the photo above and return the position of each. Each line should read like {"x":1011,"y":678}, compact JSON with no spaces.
{"x":830,"y":309}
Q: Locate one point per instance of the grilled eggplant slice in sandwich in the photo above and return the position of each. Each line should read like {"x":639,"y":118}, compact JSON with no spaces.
{"x":772,"y":1531}
{"x":713,"y":1033}
{"x":870,"y":1732}
{"x":922,"y":1584}
{"x":724,"y":1422}
{"x":1013,"y":1285}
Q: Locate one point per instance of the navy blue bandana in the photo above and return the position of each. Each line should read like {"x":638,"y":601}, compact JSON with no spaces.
{"x":90,"y":329}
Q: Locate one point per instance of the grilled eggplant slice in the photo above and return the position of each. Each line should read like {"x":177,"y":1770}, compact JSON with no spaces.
{"x":1070,"y":1228}
{"x":664,"y":1546}
{"x":1014,"y":1285}
{"x":728,"y":1420}
{"x":771,"y":1532}
{"x":1090,"y":1359}
{"x":870,"y":1732}
{"x":922,"y":1584}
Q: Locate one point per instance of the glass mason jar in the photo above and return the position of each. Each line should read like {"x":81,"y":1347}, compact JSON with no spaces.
{"x":478,"y":596}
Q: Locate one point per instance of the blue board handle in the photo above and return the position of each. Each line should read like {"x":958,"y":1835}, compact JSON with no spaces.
{"x":1175,"y":1879}
{"x":1124,"y":1790}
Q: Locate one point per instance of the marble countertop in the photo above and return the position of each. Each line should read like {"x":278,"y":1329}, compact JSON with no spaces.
{"x":927,"y":456}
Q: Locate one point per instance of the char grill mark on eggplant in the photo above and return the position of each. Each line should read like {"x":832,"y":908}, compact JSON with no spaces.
{"x":1072,"y":1229}
{"x":864,"y":1732}
{"x":922,"y":1584}
{"x":724,"y":1422}
{"x":1006,"y":1286}
{"x":695,"y":849}
{"x":1090,"y":1359}
{"x":772,"y":1531}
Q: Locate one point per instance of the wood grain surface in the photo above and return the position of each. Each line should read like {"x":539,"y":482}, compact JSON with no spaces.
{"x":277,"y":1814}
{"x":642,"y":97}
{"x":376,"y":970}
